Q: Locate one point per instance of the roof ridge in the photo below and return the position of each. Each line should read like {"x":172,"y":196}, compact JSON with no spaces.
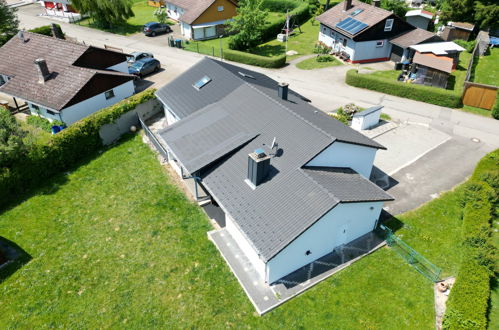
{"x":279,"y":103}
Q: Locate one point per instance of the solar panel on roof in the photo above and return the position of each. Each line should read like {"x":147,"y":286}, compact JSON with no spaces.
{"x":351,"y":25}
{"x":356,"y":12}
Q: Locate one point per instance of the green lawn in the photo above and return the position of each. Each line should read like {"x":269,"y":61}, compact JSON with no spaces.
{"x":312,"y":63}
{"x":143,"y":14}
{"x":115,"y":244}
{"x":486,"y":70}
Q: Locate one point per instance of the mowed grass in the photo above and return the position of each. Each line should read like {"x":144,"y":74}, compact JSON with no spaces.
{"x":486,"y":70}
{"x":115,"y":244}
{"x":143,"y":14}
{"x":312,"y":63}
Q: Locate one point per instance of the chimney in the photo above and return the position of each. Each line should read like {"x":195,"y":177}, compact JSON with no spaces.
{"x":43,"y":70}
{"x":283,"y":90}
{"x":56,"y":31}
{"x":347,"y":5}
{"x":377,"y":3}
{"x":20,"y":35}
{"x":258,"y":167}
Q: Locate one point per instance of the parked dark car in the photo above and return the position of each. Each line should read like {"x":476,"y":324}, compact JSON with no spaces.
{"x":154,"y":28}
{"x":144,"y":67}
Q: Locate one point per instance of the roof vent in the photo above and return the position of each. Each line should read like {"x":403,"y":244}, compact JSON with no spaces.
{"x":283,"y":90}
{"x":347,"y":5}
{"x":245,"y":75}
{"x":20,"y":35}
{"x":43,"y":70}
{"x":258,"y":167}
{"x":377,"y":3}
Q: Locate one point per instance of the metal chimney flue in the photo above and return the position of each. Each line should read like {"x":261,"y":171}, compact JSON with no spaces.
{"x":377,"y":3}
{"x":258,"y":167}
{"x":20,"y":35}
{"x":347,"y":5}
{"x":283,"y":90}
{"x":43,"y":70}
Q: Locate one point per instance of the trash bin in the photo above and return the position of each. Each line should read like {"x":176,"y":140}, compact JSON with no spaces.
{"x":171,"y":42}
{"x":178,"y":43}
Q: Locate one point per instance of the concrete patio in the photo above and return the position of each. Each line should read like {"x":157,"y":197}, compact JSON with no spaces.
{"x":265,"y":297}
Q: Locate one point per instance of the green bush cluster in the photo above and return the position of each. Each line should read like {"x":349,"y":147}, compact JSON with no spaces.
{"x":252,"y":59}
{"x":468,"y":301}
{"x":495,"y":109}
{"x":468,"y":45}
{"x":64,"y":149}
{"x":324,"y":58}
{"x":46,"y":30}
{"x":322,"y":48}
{"x":433,"y":95}
{"x":43,"y":123}
{"x":280,"y":6}
{"x":300,"y":15}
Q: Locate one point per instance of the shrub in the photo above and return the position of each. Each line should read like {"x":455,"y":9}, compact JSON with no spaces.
{"x":64,"y":149}
{"x":433,"y":95}
{"x":252,"y":59}
{"x":322,"y":48}
{"x":43,"y":123}
{"x":46,"y":30}
{"x":280,"y":6}
{"x":324,"y":58}
{"x":495,"y":109}
{"x":468,"y":45}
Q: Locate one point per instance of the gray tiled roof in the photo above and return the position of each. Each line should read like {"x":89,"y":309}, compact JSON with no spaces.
{"x":346,"y":185}
{"x":413,"y":37}
{"x":66,"y":79}
{"x":290,"y":200}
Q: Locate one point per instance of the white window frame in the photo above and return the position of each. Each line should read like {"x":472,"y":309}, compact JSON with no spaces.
{"x":220,"y":8}
{"x":109,"y":94}
{"x":380,"y":43}
{"x":389,"y":24}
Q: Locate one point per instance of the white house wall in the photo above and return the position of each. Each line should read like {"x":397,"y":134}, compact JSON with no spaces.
{"x":324,"y":236}
{"x":340,"y":154}
{"x":85,"y":108}
{"x":174,"y":11}
{"x":42,"y":111}
{"x":245,"y":246}
{"x":186,"y":30}
{"x":120,"y":67}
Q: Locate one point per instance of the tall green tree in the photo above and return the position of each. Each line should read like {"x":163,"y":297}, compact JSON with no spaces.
{"x":483,"y":13}
{"x":248,"y":25}
{"x":398,"y":7}
{"x":106,"y":13}
{"x":487,"y":13}
{"x":11,"y":139}
{"x":8,"y":22}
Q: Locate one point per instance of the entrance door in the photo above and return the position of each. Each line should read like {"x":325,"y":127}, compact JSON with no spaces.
{"x":341,"y":235}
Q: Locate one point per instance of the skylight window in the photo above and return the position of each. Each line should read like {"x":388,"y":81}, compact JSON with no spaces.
{"x":201,"y":82}
{"x":356,"y":12}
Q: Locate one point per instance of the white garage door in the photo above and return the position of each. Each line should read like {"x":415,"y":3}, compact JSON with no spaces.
{"x":210,"y":32}
{"x":198,"y":34}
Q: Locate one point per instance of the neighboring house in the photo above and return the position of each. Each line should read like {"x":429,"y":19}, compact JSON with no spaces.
{"x":292,"y":182}
{"x":63,"y":80}
{"x":61,"y":9}
{"x":419,"y":18}
{"x":201,"y":19}
{"x":361,"y":30}
{"x":457,"y":30}
{"x":435,"y":61}
{"x":401,"y":51}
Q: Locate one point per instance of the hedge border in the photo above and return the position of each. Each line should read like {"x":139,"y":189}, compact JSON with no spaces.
{"x":46,"y":30}
{"x":437,"y":96}
{"x":253,"y":59}
{"x":63,"y":150}
{"x":467,"y":306}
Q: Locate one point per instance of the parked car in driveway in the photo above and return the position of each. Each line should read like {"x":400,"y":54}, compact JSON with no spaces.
{"x":144,"y":67}
{"x":154,"y":28}
{"x":135,"y":56}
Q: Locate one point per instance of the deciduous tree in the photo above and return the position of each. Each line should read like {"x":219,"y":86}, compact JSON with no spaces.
{"x":8,"y":22}
{"x":106,"y":13}
{"x":11,"y":139}
{"x":248,"y":25}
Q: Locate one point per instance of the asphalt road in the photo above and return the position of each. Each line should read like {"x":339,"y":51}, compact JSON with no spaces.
{"x":439,"y":167}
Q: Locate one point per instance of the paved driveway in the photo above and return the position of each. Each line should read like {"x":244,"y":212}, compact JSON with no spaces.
{"x":433,"y":143}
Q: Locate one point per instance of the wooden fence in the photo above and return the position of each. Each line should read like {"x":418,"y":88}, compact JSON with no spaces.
{"x":475,"y":94}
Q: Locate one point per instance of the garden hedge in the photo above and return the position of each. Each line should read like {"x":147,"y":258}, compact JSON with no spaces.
{"x":433,"y":95}
{"x":495,"y":109}
{"x":46,"y":30}
{"x":300,"y":15}
{"x":252,"y":59}
{"x":280,"y":6}
{"x":63,"y":150}
{"x":467,"y":306}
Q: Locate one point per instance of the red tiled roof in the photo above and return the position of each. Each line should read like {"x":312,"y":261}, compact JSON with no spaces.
{"x":442,"y":63}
